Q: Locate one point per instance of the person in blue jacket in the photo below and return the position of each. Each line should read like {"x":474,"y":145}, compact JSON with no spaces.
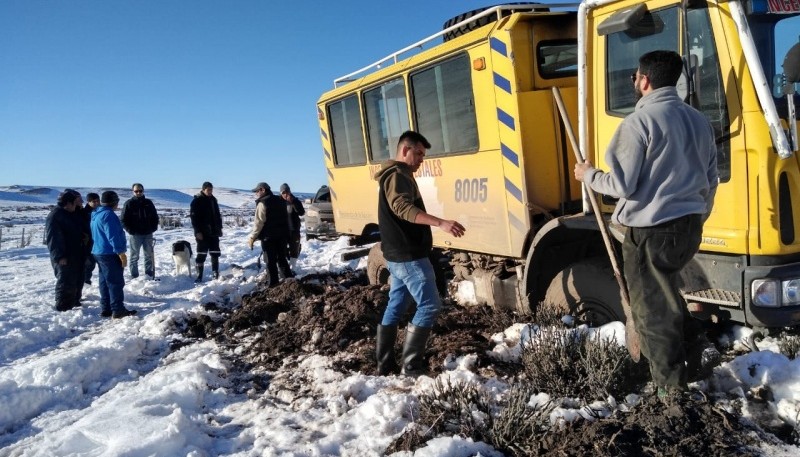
{"x":109,"y":251}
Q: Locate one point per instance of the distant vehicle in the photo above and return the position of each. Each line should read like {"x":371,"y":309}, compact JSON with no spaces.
{"x":319,"y":215}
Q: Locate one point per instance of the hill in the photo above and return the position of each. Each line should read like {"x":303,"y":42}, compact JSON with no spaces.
{"x":18,"y":195}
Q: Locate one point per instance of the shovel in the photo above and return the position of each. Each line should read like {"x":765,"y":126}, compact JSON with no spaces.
{"x":631,"y":337}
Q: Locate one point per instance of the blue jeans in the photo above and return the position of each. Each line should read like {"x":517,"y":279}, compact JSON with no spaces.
{"x":138,"y":242}
{"x":112,"y":297}
{"x":414,"y":279}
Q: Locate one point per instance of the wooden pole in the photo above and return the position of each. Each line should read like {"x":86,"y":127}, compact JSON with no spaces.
{"x":631,"y":337}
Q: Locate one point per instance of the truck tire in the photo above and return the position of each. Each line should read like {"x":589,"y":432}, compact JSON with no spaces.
{"x":376,"y":266}
{"x":587,"y":290}
{"x":473,"y":25}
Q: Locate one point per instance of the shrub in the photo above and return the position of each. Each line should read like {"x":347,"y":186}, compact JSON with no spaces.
{"x":567,"y":363}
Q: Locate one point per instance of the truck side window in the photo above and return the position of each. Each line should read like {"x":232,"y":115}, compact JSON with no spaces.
{"x":557,"y":58}
{"x":387,"y":118}
{"x":347,"y":132}
{"x":658,"y":30}
{"x":709,"y":91}
{"x":444,"y":107}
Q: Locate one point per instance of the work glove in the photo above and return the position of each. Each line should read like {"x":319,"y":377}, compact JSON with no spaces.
{"x":124,"y":259}
{"x":250,"y":242}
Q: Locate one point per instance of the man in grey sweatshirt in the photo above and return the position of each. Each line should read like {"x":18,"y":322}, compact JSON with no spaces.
{"x":663,"y":169}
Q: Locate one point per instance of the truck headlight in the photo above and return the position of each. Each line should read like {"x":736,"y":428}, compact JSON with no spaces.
{"x":765,"y":293}
{"x":773,"y":293}
{"x":312,"y":213}
{"x":791,"y":292}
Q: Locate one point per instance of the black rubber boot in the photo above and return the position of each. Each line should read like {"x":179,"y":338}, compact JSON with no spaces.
{"x":199,"y":273}
{"x":701,"y":358}
{"x":414,"y":350}
{"x":215,"y":267}
{"x":384,"y":350}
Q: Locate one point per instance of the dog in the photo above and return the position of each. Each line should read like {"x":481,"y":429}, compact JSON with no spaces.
{"x":182,"y":256}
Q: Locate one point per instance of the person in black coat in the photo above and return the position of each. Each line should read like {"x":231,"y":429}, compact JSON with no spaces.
{"x":294,"y":208}
{"x":64,"y":236}
{"x":207,"y":225}
{"x":92,"y":202}
{"x":272,"y":228}
{"x":140,"y":219}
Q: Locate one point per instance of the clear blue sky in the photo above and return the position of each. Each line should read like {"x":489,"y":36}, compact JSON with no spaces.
{"x":172,"y":93}
{"x":176,"y":92}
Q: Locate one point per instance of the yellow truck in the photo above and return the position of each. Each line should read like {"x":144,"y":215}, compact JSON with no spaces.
{"x":501,"y":161}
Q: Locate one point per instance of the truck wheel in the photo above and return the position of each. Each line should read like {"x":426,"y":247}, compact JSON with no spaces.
{"x":478,"y":23}
{"x":376,"y":266}
{"x":588,"y":291}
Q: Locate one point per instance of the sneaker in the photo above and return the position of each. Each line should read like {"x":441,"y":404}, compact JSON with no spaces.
{"x":215,"y":275}
{"x":124,"y":313}
{"x":153,"y":278}
{"x":105,"y":314}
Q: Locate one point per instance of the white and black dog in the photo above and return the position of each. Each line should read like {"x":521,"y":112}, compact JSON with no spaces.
{"x":182,"y":255}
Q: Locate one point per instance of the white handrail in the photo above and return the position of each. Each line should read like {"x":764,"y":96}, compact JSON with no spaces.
{"x":779,"y":140}
{"x":495,"y":9}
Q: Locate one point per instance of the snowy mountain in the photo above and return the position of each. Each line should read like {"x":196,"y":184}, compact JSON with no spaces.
{"x":17,"y":195}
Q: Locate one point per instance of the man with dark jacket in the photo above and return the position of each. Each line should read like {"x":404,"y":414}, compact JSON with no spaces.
{"x":140,"y":220}
{"x":294,"y":207}
{"x":63,"y":237}
{"x":406,"y":241}
{"x":81,"y":219}
{"x":92,"y":202}
{"x":207,"y":225}
{"x":272,"y":228}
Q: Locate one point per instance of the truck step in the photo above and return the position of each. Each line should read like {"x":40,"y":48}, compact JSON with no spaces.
{"x":716,"y":296}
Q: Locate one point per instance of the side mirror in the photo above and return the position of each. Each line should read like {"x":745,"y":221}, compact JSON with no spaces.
{"x":791,"y":64}
{"x":783,"y":83}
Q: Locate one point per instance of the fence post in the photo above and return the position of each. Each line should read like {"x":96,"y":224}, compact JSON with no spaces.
{"x":22,"y":239}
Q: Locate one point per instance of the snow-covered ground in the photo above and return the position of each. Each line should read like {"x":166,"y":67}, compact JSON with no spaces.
{"x":75,"y":384}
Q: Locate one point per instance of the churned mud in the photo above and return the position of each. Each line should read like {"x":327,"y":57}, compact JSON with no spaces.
{"x":336,"y":315}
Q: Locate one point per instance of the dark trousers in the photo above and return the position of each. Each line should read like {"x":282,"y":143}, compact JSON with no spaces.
{"x":275,"y":251}
{"x":206,"y":246}
{"x":89,"y":268}
{"x":111,"y":284}
{"x":654,"y":257}
{"x":67,"y":279}
{"x":294,"y":244}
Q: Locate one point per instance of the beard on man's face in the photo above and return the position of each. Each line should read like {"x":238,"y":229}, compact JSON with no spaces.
{"x":637,"y":91}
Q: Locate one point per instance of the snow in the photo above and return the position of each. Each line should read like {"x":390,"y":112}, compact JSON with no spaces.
{"x":75,"y":384}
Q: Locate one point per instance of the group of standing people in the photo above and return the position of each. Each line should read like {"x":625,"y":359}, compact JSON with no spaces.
{"x":277,"y":227}
{"x":79,"y":238}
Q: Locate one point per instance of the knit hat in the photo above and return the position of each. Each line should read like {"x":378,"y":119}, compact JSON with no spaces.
{"x":207,"y":185}
{"x":285,"y":188}
{"x":262,"y":185}
{"x":109,"y":198}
